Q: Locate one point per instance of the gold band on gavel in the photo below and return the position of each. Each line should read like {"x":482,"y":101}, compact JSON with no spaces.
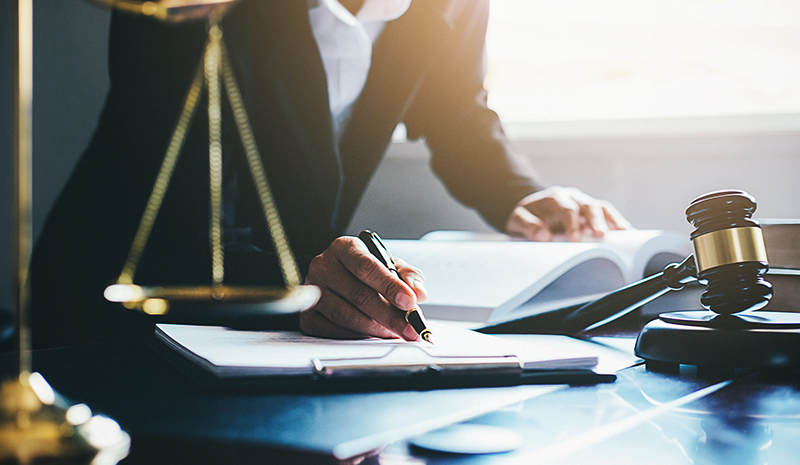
{"x":728,"y":246}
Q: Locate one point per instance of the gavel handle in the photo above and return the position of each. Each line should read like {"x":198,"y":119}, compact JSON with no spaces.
{"x":622,"y":301}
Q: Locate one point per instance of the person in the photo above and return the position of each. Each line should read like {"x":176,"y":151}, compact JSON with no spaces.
{"x":324,"y":83}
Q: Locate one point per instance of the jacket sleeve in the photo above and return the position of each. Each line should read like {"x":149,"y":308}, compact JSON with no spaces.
{"x":470,"y":152}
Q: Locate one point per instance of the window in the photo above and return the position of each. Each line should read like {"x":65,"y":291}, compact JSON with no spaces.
{"x":582,"y":60}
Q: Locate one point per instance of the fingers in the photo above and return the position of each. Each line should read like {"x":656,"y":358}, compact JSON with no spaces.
{"x":355,"y":287}
{"x":592,"y":214}
{"x":559,"y":210}
{"x":525,"y":224}
{"x":315,"y":324}
{"x":570,"y":213}
{"x":594,"y":220}
{"x":414,"y":278}
{"x":544,"y":214}
{"x":334,"y":317}
{"x":355,"y":257}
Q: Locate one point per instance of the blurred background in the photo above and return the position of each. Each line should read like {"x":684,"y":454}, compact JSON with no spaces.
{"x":645,"y":104}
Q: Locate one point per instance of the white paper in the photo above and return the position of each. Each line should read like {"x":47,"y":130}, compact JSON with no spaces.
{"x":229,"y":352}
{"x":497,"y":280}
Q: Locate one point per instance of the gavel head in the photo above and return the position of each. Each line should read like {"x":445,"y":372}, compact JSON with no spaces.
{"x":729,"y":252}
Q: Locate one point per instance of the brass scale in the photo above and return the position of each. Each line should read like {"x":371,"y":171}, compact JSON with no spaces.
{"x":35,"y":423}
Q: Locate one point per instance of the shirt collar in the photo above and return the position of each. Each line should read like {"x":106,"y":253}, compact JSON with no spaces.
{"x":382,"y":10}
{"x":371,"y":10}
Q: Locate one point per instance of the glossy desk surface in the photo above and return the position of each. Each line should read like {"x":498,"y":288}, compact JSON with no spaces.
{"x":647,"y":418}
{"x":644,"y":417}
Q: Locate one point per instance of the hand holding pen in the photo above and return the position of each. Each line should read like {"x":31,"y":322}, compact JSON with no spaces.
{"x":361,"y":296}
{"x":377,"y":248}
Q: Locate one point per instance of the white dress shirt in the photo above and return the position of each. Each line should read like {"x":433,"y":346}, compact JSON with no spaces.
{"x":345,"y":44}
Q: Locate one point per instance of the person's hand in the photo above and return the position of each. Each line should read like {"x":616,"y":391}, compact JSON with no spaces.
{"x":360,"y":296}
{"x":559,"y":210}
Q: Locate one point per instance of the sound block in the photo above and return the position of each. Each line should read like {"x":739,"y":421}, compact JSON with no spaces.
{"x":721,"y":343}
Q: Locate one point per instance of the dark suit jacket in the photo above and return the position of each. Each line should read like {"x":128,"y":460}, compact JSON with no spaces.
{"x":427,"y":72}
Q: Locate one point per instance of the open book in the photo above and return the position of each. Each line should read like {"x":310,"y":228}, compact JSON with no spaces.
{"x":486,"y":280}
{"x":781,"y":237}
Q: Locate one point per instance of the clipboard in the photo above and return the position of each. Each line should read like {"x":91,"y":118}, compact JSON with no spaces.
{"x":398,"y":363}
{"x":391,"y":366}
{"x":432,"y":372}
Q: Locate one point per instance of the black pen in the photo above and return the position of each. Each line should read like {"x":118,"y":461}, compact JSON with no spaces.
{"x":376,"y":246}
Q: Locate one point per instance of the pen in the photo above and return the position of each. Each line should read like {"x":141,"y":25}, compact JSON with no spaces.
{"x":376,"y":246}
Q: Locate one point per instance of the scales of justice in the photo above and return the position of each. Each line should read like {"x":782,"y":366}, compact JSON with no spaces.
{"x":36,"y":424}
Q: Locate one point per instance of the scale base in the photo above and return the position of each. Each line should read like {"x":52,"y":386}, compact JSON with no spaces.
{"x":37,"y":426}
{"x":719,"y":344}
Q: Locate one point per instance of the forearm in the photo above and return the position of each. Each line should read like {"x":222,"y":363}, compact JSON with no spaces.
{"x":470,"y":152}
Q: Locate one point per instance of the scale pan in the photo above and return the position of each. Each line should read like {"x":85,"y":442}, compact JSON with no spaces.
{"x":170,"y":10}
{"x":223,"y":305}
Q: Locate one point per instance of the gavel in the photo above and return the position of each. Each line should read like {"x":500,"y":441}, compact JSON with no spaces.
{"x":729,"y":257}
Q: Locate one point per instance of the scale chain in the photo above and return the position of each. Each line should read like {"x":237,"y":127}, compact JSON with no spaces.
{"x":215,"y":60}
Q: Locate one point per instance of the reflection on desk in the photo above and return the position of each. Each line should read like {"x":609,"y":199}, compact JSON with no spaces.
{"x":644,"y":417}
{"x":173,"y":419}
{"x":647,"y":418}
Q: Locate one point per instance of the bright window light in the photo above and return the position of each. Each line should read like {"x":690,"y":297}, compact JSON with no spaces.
{"x":577,"y":60}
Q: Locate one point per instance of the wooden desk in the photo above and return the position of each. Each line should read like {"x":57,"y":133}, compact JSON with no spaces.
{"x":642,"y":418}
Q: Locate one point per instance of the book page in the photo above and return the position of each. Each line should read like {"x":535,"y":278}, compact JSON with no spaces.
{"x":494,"y":278}
{"x":636,"y":247}
{"x":482,"y":281}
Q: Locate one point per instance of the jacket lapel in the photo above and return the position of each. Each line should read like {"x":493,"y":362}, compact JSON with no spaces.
{"x":275,"y":41}
{"x":400,"y":58}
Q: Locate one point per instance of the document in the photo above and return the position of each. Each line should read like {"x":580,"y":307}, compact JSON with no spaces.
{"x":229,"y":353}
